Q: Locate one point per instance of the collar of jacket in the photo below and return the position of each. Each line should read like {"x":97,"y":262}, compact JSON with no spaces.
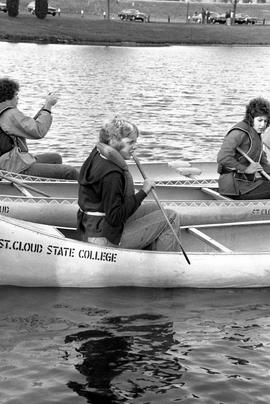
{"x":5,"y":105}
{"x":112,"y":154}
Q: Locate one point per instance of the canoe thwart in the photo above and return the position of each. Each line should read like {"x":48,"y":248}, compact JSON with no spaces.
{"x":208,"y":240}
{"x":214,"y":194}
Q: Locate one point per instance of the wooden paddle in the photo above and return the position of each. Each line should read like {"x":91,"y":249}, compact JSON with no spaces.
{"x":161,"y":208}
{"x":264,"y":174}
{"x":21,"y":184}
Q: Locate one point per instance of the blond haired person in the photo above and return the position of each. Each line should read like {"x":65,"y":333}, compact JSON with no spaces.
{"x":111,"y":212}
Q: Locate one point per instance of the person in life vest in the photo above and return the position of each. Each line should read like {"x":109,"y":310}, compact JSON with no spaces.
{"x":111,"y":212}
{"x":16,"y":127}
{"x":240,"y":179}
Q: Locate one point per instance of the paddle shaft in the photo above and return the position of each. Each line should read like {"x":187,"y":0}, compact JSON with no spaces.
{"x":251,"y":161}
{"x":20,"y":183}
{"x":161,"y":208}
{"x":37,"y":114}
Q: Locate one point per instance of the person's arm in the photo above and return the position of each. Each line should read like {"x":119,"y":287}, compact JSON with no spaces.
{"x":27,"y":127}
{"x":17,"y":123}
{"x":227,"y":152}
{"x":116,"y":207}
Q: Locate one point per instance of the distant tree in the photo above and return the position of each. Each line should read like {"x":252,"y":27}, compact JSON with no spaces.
{"x":13,"y":8}
{"x":234,"y":3}
{"x":41,"y":8}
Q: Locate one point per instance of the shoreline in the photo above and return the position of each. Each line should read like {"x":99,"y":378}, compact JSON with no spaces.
{"x":126,"y":44}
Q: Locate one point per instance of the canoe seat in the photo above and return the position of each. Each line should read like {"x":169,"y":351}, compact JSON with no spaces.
{"x":214,"y":194}
{"x":44,"y":228}
{"x":208,"y":240}
{"x":24,"y":191}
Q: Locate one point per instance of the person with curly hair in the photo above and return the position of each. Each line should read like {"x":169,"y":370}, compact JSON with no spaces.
{"x":111,"y":211}
{"x":240,"y":179}
{"x":16,"y":127}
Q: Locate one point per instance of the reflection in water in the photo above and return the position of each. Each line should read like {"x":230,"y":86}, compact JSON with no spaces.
{"x":129,"y":362}
{"x":134,"y":345}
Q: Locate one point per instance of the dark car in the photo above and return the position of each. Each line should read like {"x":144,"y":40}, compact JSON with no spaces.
{"x":216,"y":18}
{"x":132,"y":15}
{"x":31,"y":8}
{"x":3,"y":7}
{"x":244,"y":19}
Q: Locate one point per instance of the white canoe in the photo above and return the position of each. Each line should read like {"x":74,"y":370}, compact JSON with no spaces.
{"x":230,"y":256}
{"x":161,"y":172}
{"x":63,"y":211}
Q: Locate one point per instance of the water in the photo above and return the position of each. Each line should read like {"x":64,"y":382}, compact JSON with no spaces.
{"x":133,"y":345}
{"x":183,"y":99}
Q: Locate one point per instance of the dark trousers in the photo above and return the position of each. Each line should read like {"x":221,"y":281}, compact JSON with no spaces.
{"x":261,"y":192}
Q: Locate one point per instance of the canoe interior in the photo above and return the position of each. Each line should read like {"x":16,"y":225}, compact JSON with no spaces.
{"x":69,"y":189}
{"x":165,"y":170}
{"x":237,"y":237}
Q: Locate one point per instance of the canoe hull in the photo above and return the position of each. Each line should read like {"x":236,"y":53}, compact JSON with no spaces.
{"x":38,"y":256}
{"x":63,"y":212}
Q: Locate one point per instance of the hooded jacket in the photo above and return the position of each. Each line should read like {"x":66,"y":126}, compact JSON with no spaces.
{"x":104,"y":190}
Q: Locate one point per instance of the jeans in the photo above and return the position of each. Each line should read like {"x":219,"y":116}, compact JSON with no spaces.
{"x":50,"y":165}
{"x":148,"y":229}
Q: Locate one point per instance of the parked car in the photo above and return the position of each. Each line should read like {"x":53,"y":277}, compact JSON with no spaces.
{"x":251,"y":20}
{"x":3,"y":7}
{"x":197,"y":17}
{"x":244,"y":19}
{"x":132,"y":15}
{"x":31,"y":8}
{"x":216,"y":18}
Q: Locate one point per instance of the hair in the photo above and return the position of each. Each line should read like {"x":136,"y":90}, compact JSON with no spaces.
{"x":8,"y":89}
{"x":257,"y":107}
{"x":117,"y":128}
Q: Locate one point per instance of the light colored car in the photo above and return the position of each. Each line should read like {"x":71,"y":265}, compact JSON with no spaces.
{"x":3,"y":7}
{"x":244,"y":19}
{"x":197,"y":17}
{"x":31,"y":8}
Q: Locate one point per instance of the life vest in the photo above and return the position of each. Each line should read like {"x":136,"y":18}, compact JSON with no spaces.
{"x":232,"y":183}
{"x":256,"y":145}
{"x":254,"y":151}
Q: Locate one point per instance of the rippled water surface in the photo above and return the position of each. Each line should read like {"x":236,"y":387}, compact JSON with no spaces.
{"x":132,"y":345}
{"x":182,"y":98}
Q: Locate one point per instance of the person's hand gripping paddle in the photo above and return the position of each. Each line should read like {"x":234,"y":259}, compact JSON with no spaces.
{"x":161,"y":208}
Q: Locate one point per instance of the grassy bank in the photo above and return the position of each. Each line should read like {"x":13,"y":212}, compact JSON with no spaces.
{"x":157,"y":9}
{"x":93,"y":29}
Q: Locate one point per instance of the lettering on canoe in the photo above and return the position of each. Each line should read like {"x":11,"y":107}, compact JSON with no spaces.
{"x":56,"y":250}
{"x":98,"y":255}
{"x":4,"y":209}
{"x":21,"y":246}
{"x":261,"y":212}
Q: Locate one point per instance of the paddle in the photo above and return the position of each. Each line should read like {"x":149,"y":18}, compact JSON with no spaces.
{"x":251,"y":161}
{"x":21,"y":184}
{"x":161,"y":208}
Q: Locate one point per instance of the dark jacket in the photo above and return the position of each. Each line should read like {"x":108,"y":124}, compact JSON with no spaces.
{"x":231,"y":164}
{"x":103,"y":188}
